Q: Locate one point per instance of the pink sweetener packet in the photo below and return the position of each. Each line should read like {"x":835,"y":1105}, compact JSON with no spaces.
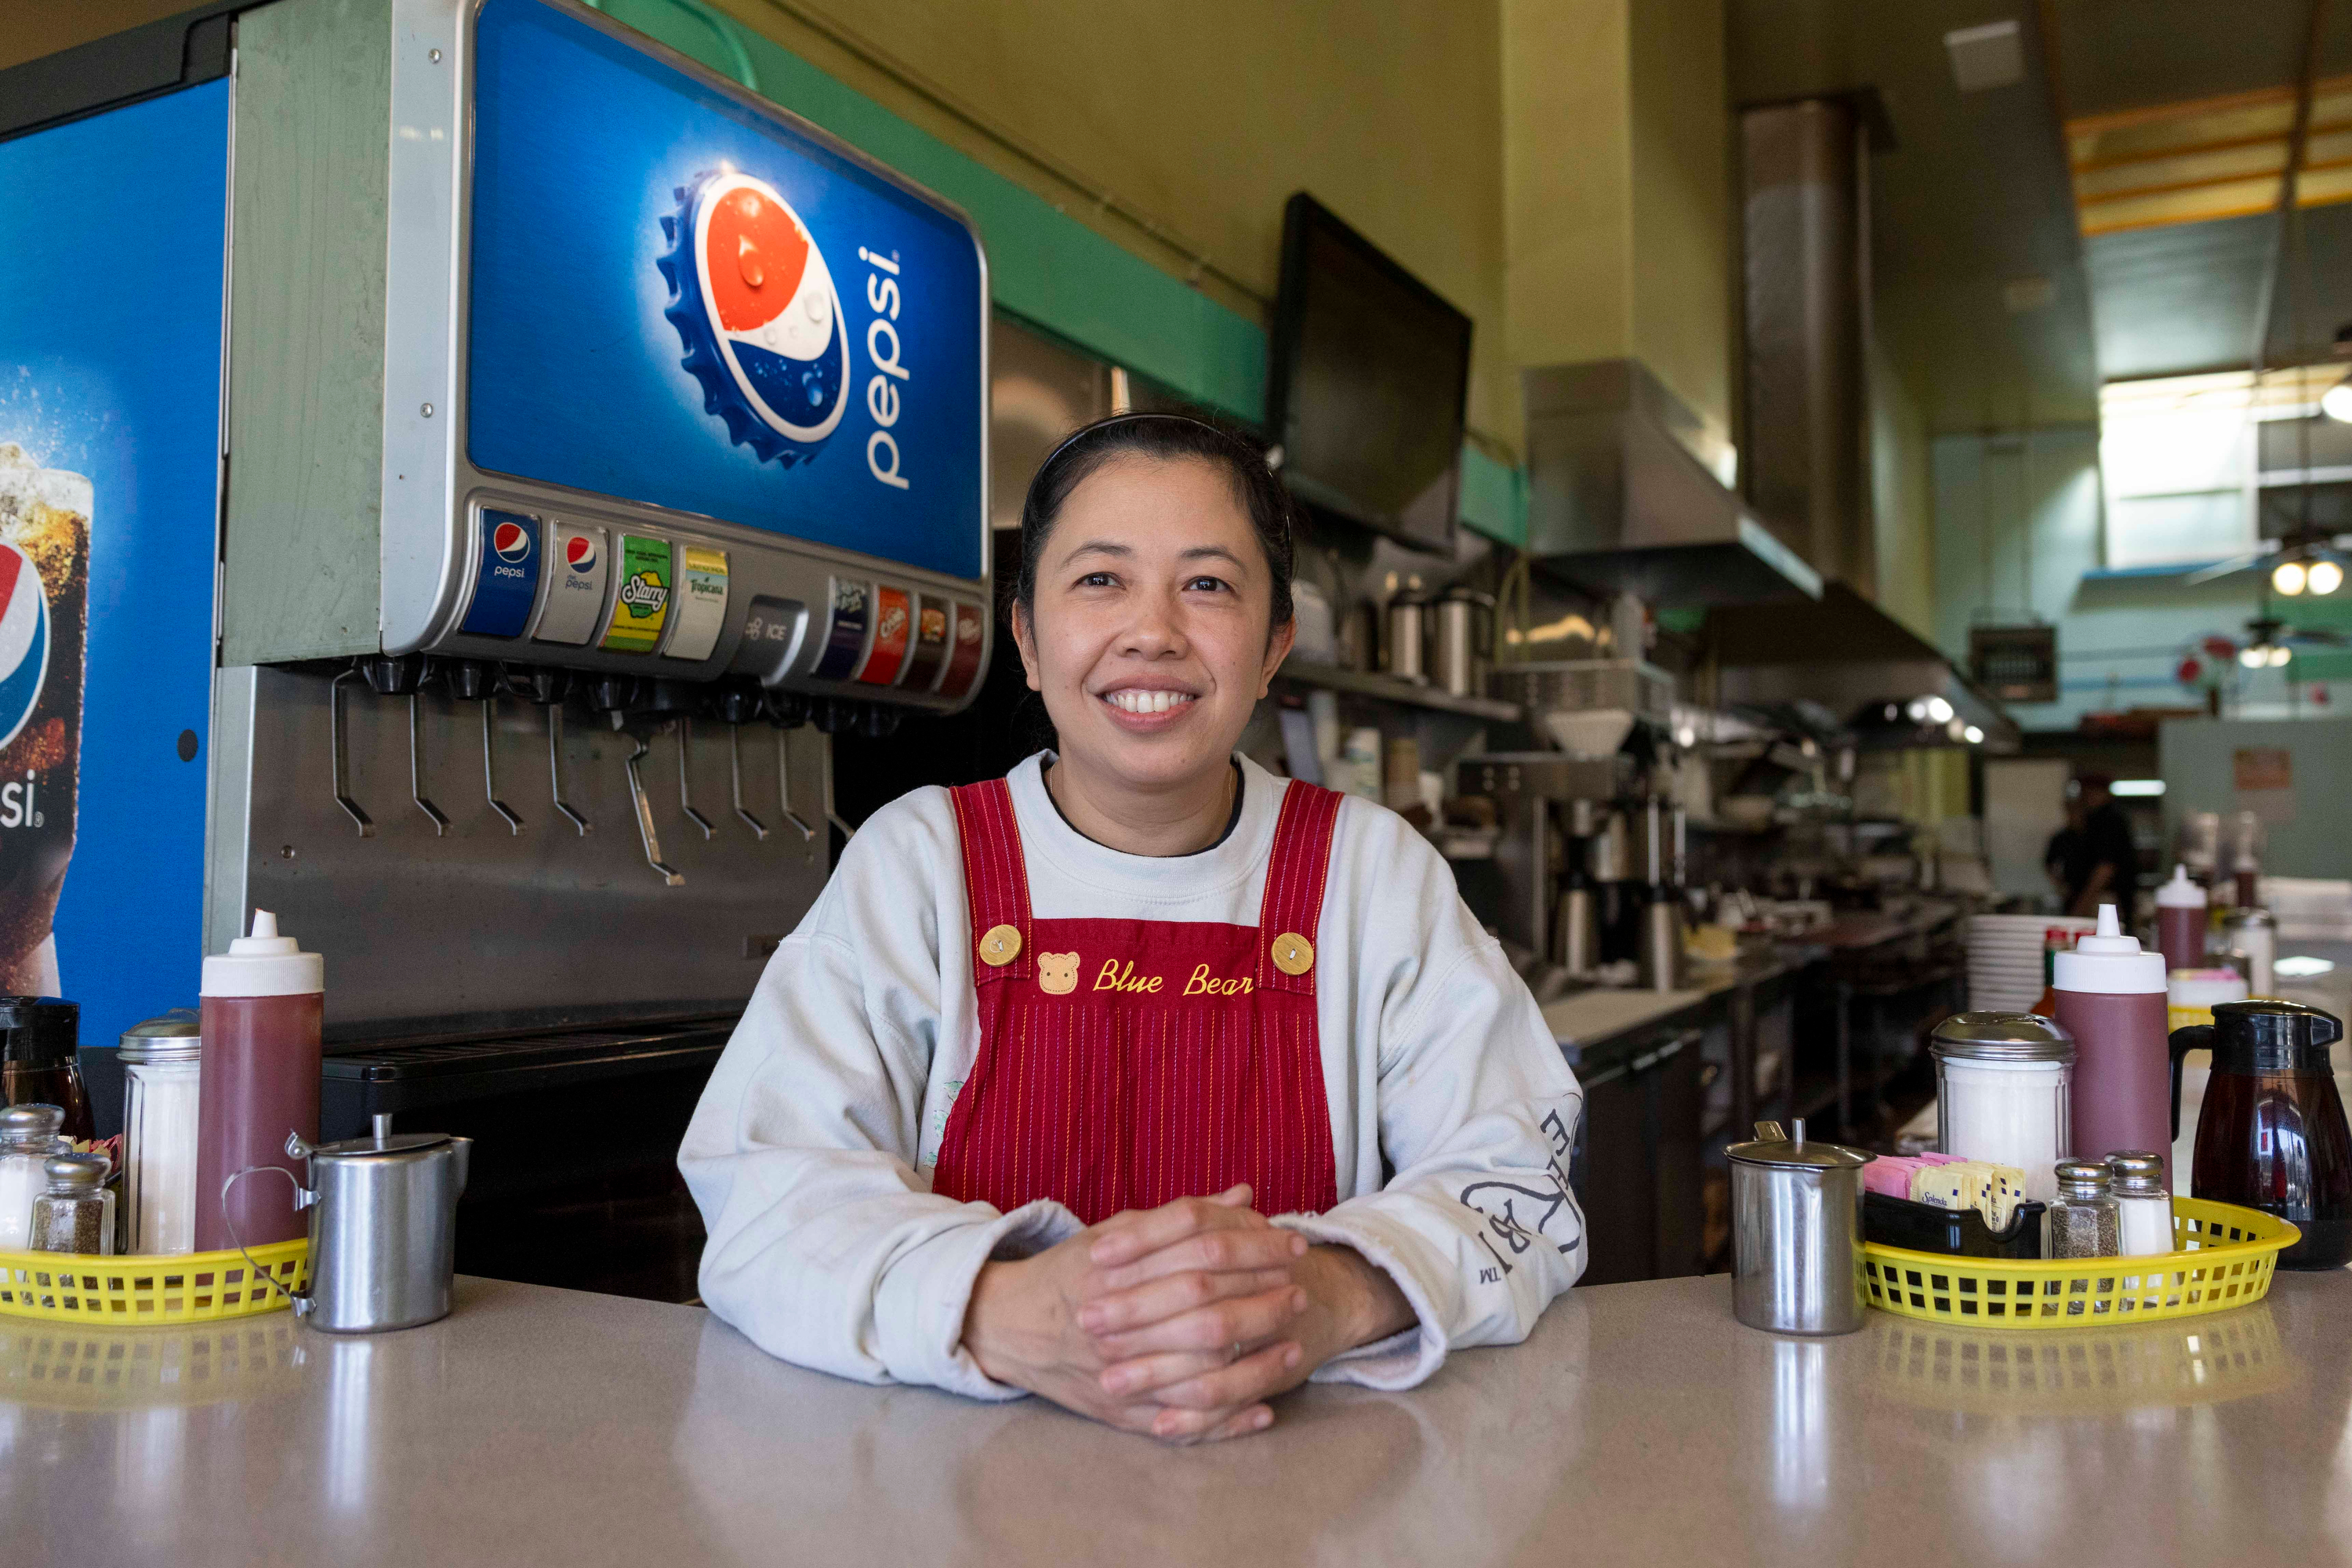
{"x":1889,"y":1173}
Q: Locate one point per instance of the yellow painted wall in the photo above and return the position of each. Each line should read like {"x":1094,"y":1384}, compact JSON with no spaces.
{"x":1682,"y":201}
{"x":1208,"y":114}
{"x":1617,"y":176}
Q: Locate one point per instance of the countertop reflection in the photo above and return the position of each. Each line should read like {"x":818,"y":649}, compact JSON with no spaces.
{"x":542,"y":1426}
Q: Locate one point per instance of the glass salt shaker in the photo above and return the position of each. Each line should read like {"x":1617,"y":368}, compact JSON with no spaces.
{"x":2142,"y":1203}
{"x":162,"y":1070}
{"x":2084,"y":1221}
{"x":77,"y":1214}
{"x":28,"y":1136}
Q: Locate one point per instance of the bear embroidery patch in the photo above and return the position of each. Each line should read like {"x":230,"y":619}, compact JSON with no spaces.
{"x":1057,"y":973}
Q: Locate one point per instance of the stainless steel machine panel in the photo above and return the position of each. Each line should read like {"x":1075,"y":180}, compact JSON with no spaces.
{"x":437,"y":910}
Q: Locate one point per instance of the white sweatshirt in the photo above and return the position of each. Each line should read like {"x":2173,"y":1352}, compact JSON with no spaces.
{"x":1453,"y":1110}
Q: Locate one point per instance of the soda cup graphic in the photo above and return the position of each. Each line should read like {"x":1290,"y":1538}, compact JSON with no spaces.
{"x":44,"y":615}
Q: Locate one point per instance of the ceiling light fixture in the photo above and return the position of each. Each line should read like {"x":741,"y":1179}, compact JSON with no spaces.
{"x":2280,"y":654}
{"x":2336,"y":400}
{"x":2288,"y":577}
{"x":1939,"y":711}
{"x":1974,"y":735}
{"x":2253,"y":656}
{"x":2325,"y":577}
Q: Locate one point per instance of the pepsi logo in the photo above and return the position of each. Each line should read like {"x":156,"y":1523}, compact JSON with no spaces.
{"x":755,"y":306}
{"x":512,"y":541}
{"x":580,"y":553}
{"x":23,"y":639}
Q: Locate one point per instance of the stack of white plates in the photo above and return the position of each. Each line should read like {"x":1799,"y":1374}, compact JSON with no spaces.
{"x":2005,"y":972}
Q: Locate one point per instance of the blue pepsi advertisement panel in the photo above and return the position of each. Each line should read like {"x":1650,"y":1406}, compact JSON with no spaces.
{"x":679,"y":300}
{"x":109,"y":440}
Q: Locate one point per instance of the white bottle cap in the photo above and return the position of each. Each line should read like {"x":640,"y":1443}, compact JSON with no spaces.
{"x":2180,"y":893}
{"x":263,"y":965}
{"x":2107,"y":962}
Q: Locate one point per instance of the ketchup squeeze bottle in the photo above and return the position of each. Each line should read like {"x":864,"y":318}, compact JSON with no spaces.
{"x":263,"y":1000}
{"x":2180,"y":922}
{"x":2111,"y":998}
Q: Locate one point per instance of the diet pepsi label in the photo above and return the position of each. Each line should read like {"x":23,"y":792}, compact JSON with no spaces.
{"x":701,"y":612}
{"x":756,"y":309}
{"x":506,"y":581}
{"x":579,"y":565}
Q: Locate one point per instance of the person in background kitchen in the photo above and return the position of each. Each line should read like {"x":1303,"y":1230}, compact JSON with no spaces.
{"x":2105,"y":865}
{"x":1141,"y":1078}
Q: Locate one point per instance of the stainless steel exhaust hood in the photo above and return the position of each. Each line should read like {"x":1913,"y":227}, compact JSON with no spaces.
{"x":1622,"y":497}
{"x":1851,"y":656}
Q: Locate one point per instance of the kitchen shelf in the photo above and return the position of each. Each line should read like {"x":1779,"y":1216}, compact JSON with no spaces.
{"x":1389,"y":689}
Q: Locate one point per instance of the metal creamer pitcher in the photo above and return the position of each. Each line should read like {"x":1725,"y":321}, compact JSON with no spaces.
{"x":383,"y":1228}
{"x":1796,"y":1233}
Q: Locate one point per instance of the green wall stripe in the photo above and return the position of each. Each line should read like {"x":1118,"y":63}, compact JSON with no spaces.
{"x":1044,"y":266}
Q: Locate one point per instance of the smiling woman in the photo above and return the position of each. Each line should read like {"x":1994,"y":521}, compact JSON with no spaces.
{"x":1140,"y":1080}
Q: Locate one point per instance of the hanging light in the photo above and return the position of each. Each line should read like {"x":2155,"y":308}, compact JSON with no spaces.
{"x":2326,"y":577}
{"x":2280,"y":655}
{"x":2336,"y":400}
{"x":1939,"y":711}
{"x":2288,"y":577}
{"x":1974,"y":735}
{"x":2253,"y":656}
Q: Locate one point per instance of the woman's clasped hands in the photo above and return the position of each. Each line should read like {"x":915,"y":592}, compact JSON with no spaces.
{"x":1179,"y":1321}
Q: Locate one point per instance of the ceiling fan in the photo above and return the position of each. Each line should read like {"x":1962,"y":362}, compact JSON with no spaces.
{"x":2271,"y":642}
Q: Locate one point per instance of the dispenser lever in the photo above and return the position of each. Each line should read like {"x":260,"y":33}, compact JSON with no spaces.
{"x":784,"y":787}
{"x":490,"y":766}
{"x":646,"y":816}
{"x":735,"y":772}
{"x":555,"y":766}
{"x":685,"y":786}
{"x":342,"y":763}
{"x":416,"y":770}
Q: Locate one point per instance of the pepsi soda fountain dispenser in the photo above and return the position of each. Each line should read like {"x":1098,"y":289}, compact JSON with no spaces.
{"x":597,"y":439}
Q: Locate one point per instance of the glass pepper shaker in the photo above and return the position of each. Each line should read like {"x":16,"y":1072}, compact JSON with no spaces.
{"x":2143,"y":1204}
{"x":2084,"y":1221}
{"x":77,"y":1214}
{"x":28,"y":1136}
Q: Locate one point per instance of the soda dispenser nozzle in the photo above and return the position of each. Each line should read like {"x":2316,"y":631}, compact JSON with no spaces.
{"x":835,"y":714}
{"x":787,"y":710}
{"x":468,"y":678}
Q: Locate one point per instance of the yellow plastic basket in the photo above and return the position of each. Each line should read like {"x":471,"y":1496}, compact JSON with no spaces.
{"x":135,"y":1290}
{"x":2226,"y":1257}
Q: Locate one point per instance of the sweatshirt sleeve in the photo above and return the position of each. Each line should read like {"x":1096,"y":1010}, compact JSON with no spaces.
{"x":826,"y":1248}
{"x":1478,"y":1114}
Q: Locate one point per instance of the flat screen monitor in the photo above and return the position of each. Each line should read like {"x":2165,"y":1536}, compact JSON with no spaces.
{"x":1369,"y":377}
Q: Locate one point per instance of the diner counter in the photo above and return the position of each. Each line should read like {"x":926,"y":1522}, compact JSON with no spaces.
{"x":1639,"y":1422}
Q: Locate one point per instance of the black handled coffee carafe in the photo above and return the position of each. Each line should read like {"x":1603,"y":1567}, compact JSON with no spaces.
{"x":2272,"y":1135}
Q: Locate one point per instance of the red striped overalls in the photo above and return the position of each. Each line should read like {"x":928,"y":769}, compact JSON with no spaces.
{"x":1126,"y":1063}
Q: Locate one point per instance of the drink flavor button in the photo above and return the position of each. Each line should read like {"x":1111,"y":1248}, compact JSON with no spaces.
{"x":844,"y":639}
{"x":701,"y":604}
{"x":930,"y":650}
{"x":506,"y":579}
{"x":890,"y":628}
{"x":641,"y":605}
{"x":580,"y":564}
{"x":963,"y":661}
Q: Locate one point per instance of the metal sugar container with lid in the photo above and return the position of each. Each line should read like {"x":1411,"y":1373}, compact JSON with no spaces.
{"x":1796,"y":1233}
{"x":2004,"y":1083}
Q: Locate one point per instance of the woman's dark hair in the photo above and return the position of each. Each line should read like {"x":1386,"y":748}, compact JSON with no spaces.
{"x":1167,"y":437}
